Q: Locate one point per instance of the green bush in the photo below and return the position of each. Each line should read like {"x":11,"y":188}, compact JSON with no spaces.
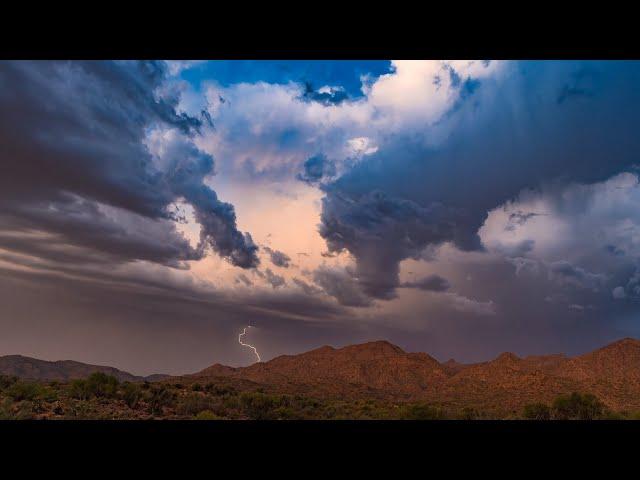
{"x":16,"y":411}
{"x":79,"y":389}
{"x":160,"y":397}
{"x":6,"y":381}
{"x":578,"y":407}
{"x":422,"y":412}
{"x":102,"y":385}
{"x":259,"y":406}
{"x":469,"y":413}
{"x":537,"y":411}
{"x":194,"y":404}
{"x":610,"y":415}
{"x":98,"y":384}
{"x":132,"y":394}
{"x":20,"y":391}
{"x":207,"y":415}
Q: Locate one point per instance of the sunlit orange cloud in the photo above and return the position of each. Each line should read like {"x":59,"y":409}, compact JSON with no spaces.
{"x":283,"y":216}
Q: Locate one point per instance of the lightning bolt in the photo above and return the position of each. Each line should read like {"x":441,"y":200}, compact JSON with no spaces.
{"x":244,"y":332}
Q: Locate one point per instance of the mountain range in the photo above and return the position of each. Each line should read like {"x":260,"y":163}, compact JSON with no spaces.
{"x":383,"y":371}
{"x":505,"y":384}
{"x":62,"y":370}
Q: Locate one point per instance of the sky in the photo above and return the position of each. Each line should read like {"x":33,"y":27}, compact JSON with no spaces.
{"x":150,"y":211}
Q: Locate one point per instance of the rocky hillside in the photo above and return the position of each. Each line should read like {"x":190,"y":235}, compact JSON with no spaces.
{"x":62,"y":370}
{"x":507,"y":383}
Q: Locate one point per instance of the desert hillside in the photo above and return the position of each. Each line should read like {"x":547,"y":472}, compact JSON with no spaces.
{"x":384,"y":371}
{"x":351,"y":382}
{"x":61,"y":370}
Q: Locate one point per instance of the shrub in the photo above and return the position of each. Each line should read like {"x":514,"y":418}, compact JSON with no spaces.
{"x":214,"y":389}
{"x":537,"y":411}
{"x":98,"y":384}
{"x":20,"y":391}
{"x":79,"y":389}
{"x":132,"y":394}
{"x":82,"y":410}
{"x":422,"y":412}
{"x":259,"y":406}
{"x":577,"y":407}
{"x":6,"y":412}
{"x":207,"y":415}
{"x":160,"y":397}
{"x":6,"y":381}
{"x":470,"y":414}
{"x":102,"y":385}
{"x":196,"y":387}
{"x":19,"y":411}
{"x":194,"y":404}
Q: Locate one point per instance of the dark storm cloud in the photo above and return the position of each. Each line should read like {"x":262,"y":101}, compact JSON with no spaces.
{"x":274,"y":279}
{"x":341,"y":284}
{"x":514,"y":135}
{"x":317,"y":168}
{"x":565,"y":272}
{"x":431,"y":283}
{"x":187,"y":168}
{"x":380,"y":231}
{"x":242,"y":278}
{"x":97,"y":235}
{"x":306,"y":288}
{"x":278,"y":258}
{"x":72,"y":138}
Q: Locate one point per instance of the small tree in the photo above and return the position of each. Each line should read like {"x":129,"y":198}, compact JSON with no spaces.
{"x":132,"y":394}
{"x":98,"y":384}
{"x":160,"y":397}
{"x":422,"y":411}
{"x":207,"y":415}
{"x":469,"y":413}
{"x":102,"y":385}
{"x":20,"y":391}
{"x":79,"y":389}
{"x":259,"y":406}
{"x":537,"y":411}
{"x":578,"y":407}
{"x":6,"y":381}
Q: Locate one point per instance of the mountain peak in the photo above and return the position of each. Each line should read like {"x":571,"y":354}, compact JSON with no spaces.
{"x":507,"y":357}
{"x":61,"y":370}
{"x":376,"y":347}
{"x":627,"y":344}
{"x":627,"y":341}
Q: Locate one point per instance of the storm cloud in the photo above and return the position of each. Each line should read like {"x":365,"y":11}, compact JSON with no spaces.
{"x":457,"y":207}
{"x":510,"y":133}
{"x":73,"y":139}
{"x":278,"y":258}
{"x":432,"y":283}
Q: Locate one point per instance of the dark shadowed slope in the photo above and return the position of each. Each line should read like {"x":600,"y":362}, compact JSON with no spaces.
{"x":62,"y":370}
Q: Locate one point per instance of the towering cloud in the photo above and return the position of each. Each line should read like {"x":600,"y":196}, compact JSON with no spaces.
{"x":458,"y":207}
{"x":532,"y":123}
{"x":75,"y":162}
